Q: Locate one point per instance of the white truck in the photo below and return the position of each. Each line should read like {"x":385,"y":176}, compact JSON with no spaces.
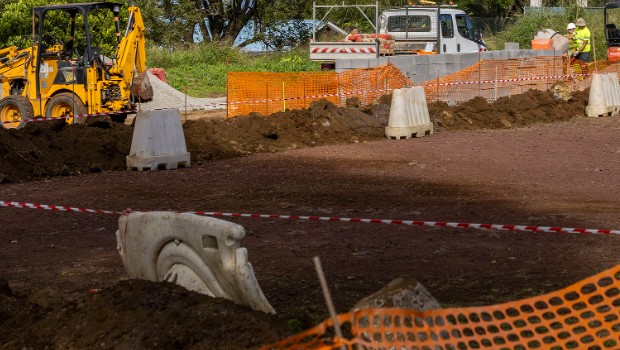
{"x":406,"y":30}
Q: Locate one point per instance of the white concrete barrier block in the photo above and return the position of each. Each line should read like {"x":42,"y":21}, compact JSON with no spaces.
{"x":158,"y":141}
{"x":408,"y":114}
{"x":604,"y":99}
{"x":200,"y":253}
{"x":615,"y":92}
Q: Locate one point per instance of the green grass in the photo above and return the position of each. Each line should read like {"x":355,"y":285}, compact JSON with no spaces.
{"x":203,"y":68}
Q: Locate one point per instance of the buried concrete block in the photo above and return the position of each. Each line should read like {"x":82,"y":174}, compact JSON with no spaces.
{"x":197,"y":252}
{"x":401,"y":293}
{"x":604,"y":99}
{"x":408,"y":114}
{"x":158,"y":141}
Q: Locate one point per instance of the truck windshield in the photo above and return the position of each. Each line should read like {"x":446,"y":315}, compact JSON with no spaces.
{"x":464,"y":26}
{"x":409,"y":23}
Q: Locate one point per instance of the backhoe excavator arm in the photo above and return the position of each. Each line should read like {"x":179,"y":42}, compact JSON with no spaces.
{"x":131,"y":54}
{"x":8,"y":53}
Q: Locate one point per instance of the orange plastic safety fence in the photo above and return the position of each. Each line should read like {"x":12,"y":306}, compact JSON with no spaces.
{"x":370,"y":84}
{"x":582,"y":316}
{"x":492,"y":79}
{"x":267,"y":93}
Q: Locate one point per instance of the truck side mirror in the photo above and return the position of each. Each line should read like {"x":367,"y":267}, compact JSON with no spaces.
{"x":478,"y":34}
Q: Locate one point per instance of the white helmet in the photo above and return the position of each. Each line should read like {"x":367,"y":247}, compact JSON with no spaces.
{"x":571,"y":26}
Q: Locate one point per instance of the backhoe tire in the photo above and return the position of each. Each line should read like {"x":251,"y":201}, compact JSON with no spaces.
{"x":14,"y":111}
{"x":119,"y":118}
{"x":62,"y":105}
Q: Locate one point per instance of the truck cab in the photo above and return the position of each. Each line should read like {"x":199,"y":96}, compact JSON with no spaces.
{"x":416,"y":30}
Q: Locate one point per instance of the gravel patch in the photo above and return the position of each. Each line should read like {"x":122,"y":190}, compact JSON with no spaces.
{"x":165,"y":96}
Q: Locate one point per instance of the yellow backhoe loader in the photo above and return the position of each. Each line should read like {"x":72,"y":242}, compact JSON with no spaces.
{"x":69,"y":77}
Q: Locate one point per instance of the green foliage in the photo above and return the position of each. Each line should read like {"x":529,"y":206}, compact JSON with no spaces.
{"x":16,"y":24}
{"x":488,"y":8}
{"x":204,"y":68}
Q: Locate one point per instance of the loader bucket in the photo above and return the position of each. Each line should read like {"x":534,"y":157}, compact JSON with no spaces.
{"x":141,"y":89}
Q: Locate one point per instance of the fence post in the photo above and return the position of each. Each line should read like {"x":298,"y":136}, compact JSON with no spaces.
{"x":185,"y":102}
{"x":267,"y":96}
{"x":283,"y":98}
{"x":338,"y":96}
{"x":227,"y":94}
{"x":437,"y":83}
{"x":479,"y":72}
{"x":496,"y":82}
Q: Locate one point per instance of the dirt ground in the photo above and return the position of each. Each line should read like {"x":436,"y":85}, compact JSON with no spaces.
{"x":527,"y":159}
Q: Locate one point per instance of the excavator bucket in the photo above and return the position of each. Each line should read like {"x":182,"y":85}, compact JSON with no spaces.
{"x":141,"y":89}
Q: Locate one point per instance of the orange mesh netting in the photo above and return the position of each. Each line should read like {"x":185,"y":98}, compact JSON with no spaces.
{"x":267,"y":93}
{"x":370,"y":84}
{"x":582,"y":316}
{"x":492,"y":79}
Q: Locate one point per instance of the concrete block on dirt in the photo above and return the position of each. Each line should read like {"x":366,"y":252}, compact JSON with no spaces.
{"x":511,"y":46}
{"x":199,"y":253}
{"x":604,"y":99}
{"x":408,"y":114}
{"x":469,"y":59}
{"x":401,"y":293}
{"x":158,"y":141}
{"x":342,"y":65}
{"x":421,"y":59}
{"x":355,"y":64}
{"x":439,"y":59}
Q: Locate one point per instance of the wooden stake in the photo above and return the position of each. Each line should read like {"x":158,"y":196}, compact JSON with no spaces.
{"x":328,"y":298}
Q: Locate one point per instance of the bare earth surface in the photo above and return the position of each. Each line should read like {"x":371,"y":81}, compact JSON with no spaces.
{"x":528,"y":159}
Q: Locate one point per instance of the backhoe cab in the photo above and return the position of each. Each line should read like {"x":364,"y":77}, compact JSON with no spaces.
{"x":64,"y":75}
{"x":611,"y":15}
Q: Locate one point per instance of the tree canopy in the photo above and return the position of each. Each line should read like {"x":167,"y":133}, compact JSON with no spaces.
{"x":181,"y":22}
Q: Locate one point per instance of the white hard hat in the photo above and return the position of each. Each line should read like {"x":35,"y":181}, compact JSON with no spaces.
{"x":571,"y":26}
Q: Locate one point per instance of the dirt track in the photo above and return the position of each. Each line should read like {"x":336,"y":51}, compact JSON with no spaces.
{"x":485,"y":163}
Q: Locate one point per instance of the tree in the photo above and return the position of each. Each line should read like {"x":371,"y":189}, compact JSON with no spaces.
{"x":15,"y":23}
{"x":492,"y":8}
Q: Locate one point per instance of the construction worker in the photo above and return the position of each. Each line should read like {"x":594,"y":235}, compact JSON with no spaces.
{"x":582,"y":39}
{"x":570,"y":28}
{"x":353,"y":34}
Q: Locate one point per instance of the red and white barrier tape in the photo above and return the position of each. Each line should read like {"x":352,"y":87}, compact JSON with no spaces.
{"x":344,"y":94}
{"x":520,"y":228}
{"x":28,"y":120}
{"x":564,"y":76}
{"x":55,"y":208}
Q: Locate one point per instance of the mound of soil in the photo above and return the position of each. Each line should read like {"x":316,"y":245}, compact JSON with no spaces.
{"x":45,"y":150}
{"x":132,"y":314}
{"x":507,"y":112}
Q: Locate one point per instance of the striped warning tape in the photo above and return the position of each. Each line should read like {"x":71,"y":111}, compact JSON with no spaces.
{"x":43,"y":119}
{"x":343,"y":94}
{"x":55,"y":208}
{"x":564,"y":76}
{"x":443,"y":224}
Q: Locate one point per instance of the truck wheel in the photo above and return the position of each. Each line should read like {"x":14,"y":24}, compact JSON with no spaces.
{"x":62,"y":105}
{"x":14,"y":110}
